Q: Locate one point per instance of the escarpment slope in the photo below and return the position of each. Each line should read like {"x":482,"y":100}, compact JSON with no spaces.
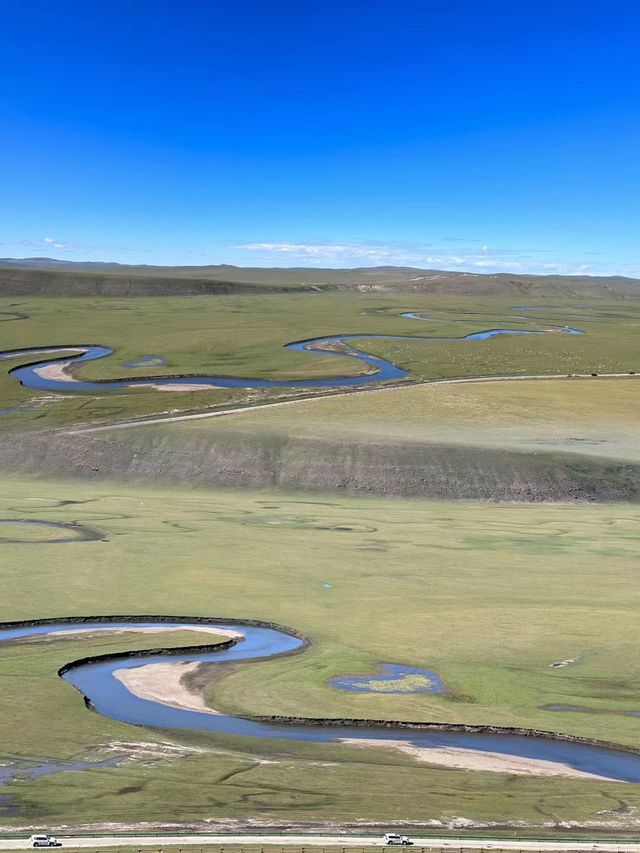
{"x":377,"y":467}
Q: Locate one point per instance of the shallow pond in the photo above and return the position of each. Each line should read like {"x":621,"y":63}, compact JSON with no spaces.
{"x":391,"y":678}
{"x":147,"y":361}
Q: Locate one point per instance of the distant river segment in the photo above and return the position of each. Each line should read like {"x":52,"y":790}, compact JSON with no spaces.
{"x":54,"y":374}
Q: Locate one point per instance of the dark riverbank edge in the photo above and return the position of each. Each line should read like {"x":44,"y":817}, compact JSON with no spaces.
{"x":169,"y":651}
{"x":460,"y":728}
{"x":160,"y":620}
{"x":82,"y":532}
{"x":276,"y":719}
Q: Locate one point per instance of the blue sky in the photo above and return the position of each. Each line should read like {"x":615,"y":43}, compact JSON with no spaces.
{"x":488,"y":136}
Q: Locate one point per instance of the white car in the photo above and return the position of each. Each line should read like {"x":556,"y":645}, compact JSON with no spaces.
{"x":44,"y":841}
{"x":394,"y":838}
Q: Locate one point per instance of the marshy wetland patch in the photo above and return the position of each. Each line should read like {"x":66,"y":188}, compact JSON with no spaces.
{"x":391,"y":678}
{"x":302,"y":522}
{"x":43,"y":531}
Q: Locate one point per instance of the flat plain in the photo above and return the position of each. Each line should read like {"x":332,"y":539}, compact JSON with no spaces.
{"x":488,"y":596}
{"x":595,"y":417}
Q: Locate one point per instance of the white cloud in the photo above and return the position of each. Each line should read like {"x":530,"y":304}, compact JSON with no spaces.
{"x":328,"y":250}
{"x":341,"y":253}
{"x":55,"y":244}
{"x":345,"y":254}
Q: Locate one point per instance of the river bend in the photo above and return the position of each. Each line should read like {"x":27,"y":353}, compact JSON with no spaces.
{"x":53,"y":374}
{"x":109,"y":696}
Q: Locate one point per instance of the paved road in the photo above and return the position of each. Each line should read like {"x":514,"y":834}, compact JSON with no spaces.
{"x":239,"y":410}
{"x":289,"y":840}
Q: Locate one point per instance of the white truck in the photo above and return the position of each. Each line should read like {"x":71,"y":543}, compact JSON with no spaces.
{"x":394,"y":838}
{"x":44,"y":841}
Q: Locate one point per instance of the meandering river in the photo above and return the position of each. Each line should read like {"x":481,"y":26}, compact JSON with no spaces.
{"x":109,"y":696}
{"x":53,"y":374}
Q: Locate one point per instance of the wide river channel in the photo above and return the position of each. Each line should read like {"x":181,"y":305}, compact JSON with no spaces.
{"x":109,"y":696}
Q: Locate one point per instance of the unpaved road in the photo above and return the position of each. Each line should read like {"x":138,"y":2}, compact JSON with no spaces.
{"x":239,"y":410}
{"x":330,"y":840}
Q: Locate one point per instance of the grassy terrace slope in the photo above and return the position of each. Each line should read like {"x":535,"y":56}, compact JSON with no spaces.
{"x":531,"y":440}
{"x":591,"y":417}
{"x":486,"y":595}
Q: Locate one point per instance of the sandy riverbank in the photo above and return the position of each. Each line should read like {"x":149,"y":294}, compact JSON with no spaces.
{"x":162,"y":682}
{"x":142,"y":629}
{"x":59,"y":371}
{"x":178,"y":386}
{"x":470,"y":759}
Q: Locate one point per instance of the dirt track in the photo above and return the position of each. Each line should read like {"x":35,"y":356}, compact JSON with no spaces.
{"x":241,"y":410}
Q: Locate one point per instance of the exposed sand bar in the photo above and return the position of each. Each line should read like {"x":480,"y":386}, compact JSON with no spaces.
{"x":470,"y":759}
{"x":107,"y":631}
{"x":59,"y":371}
{"x":162,"y":682}
{"x":177,"y":386}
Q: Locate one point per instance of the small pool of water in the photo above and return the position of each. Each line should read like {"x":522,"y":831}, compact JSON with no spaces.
{"x":585,"y":709}
{"x":14,"y":770}
{"x":391,"y":678}
{"x":147,"y":361}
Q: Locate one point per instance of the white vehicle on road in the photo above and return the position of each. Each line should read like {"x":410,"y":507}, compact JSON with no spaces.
{"x":394,"y":838}
{"x":44,"y":841}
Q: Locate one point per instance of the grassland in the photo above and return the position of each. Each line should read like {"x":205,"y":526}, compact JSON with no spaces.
{"x":486,"y":595}
{"x":564,"y":439}
{"x":244,"y":336}
{"x":597,"y":417}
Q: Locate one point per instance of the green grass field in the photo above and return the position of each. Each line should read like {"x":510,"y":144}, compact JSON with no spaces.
{"x":486,"y":595}
{"x":244,"y":336}
{"x":599,"y":417}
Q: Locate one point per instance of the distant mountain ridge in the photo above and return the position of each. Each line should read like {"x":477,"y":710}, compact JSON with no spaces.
{"x":56,"y":277}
